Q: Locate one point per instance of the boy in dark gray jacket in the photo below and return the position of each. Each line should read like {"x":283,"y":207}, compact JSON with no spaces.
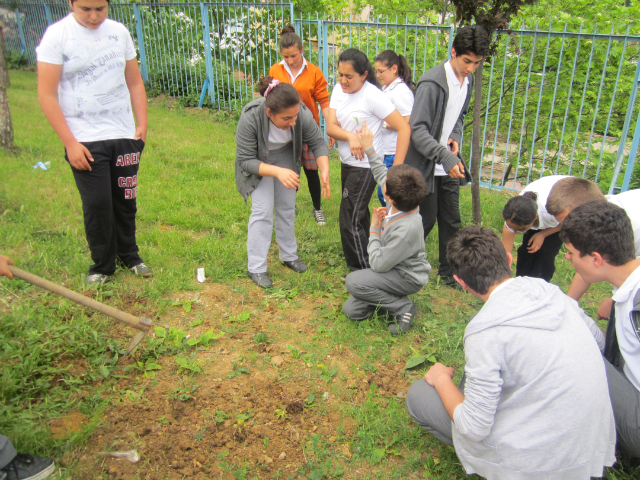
{"x":399,"y":266}
{"x":442,"y":101}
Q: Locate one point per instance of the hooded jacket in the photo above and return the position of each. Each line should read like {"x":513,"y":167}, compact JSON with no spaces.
{"x":427,"y":118}
{"x":536,"y":394}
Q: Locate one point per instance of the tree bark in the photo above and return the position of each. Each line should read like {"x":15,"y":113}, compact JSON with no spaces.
{"x":6,"y":126}
{"x":477,"y":149}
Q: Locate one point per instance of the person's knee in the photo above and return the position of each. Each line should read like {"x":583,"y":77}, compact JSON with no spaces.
{"x":420,"y":395}
{"x":355,"y":282}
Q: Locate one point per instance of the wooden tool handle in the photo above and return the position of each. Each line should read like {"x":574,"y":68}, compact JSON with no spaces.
{"x":140,"y":323}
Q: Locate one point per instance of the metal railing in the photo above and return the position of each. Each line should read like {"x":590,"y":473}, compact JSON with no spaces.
{"x":555,"y":101}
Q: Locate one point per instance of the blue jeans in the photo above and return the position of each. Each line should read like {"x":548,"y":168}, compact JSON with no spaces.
{"x":388,"y":161}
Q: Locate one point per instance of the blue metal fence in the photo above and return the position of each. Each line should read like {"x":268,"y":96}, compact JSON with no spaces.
{"x":555,"y":101}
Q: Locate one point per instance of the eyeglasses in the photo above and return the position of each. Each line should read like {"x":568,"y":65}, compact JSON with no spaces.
{"x":380,"y":72}
{"x":514,"y":231}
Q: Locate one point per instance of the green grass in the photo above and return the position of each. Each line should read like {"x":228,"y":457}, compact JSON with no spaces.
{"x":55,"y":354}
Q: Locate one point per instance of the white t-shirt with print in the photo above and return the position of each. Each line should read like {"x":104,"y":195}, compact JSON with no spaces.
{"x":402,"y":98}
{"x":352,"y":109}
{"x":457,"y":97}
{"x":542,"y":187}
{"x":93,"y":93}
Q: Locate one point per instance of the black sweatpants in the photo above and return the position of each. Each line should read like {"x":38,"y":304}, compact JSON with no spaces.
{"x":542,"y":263}
{"x":108,"y":194}
{"x":315,"y":189}
{"x":358,"y":185}
{"x":443,"y":206}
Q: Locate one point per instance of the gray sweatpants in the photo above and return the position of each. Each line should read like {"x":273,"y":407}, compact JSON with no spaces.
{"x":426,"y":408}
{"x":625,"y":400}
{"x":270,"y":194}
{"x":7,"y":452}
{"x":385,"y":291}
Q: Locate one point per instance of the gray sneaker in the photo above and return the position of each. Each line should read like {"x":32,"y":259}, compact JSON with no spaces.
{"x":296,"y":265}
{"x":261,"y":279}
{"x":319,"y":216}
{"x":96,"y":279}
{"x":401,"y":323}
{"x":27,"y":467}
{"x":142,"y":269}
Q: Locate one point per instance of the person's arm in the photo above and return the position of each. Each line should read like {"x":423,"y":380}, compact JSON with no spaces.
{"x":389,"y":127}
{"x":398,"y":123}
{"x":334,"y":130}
{"x":441,"y":378}
{"x":288,"y":178}
{"x":578,"y":287}
{"x":4,"y":267}
{"x":332,"y":141}
{"x":138,"y":97}
{"x":508,"y":237}
{"x":48,"y":81}
{"x":312,"y":136}
{"x":537,"y":239}
{"x":378,"y":168}
{"x":593,"y":328}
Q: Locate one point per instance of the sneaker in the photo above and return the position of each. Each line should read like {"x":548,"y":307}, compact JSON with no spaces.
{"x":27,"y":467}
{"x":261,"y":279}
{"x":95,"y":279}
{"x":296,"y":265}
{"x":142,"y":269}
{"x":402,"y":323}
{"x":319,"y":216}
{"x":449,"y":282}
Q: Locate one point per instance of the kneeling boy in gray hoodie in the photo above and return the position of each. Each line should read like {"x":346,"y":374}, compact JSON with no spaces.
{"x":535,"y":402}
{"x":399,"y":265}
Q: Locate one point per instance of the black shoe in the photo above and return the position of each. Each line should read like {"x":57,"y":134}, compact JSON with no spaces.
{"x":27,"y":467}
{"x":260,"y":279}
{"x":401,"y":323}
{"x":296,"y":265}
{"x":449,"y":282}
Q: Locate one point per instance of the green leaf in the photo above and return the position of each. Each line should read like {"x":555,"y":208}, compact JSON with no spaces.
{"x":193,"y":341}
{"x":186,"y":306}
{"x":415,"y":361}
{"x":310,"y":399}
{"x":152,"y":366}
{"x":196,"y":322}
{"x":433,"y":359}
{"x":104,"y":371}
{"x":160,"y":332}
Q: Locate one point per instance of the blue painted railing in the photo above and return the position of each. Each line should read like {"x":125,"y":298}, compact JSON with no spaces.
{"x":555,"y":101}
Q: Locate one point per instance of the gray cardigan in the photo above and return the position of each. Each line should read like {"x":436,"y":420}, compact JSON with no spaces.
{"x":427,"y":117}
{"x":252,"y":147}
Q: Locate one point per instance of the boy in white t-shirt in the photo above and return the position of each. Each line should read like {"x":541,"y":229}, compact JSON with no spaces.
{"x":89,"y":87}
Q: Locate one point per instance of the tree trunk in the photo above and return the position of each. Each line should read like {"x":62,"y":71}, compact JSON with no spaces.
{"x":477,"y":149}
{"x":4,"y":70}
{"x":6,"y":126}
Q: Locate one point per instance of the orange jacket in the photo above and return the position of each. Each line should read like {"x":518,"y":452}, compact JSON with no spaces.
{"x":310,"y":84}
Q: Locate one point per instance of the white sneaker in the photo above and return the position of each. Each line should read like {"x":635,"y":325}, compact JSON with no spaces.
{"x":319,"y":216}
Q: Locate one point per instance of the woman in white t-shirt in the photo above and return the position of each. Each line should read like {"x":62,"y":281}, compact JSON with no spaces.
{"x":394,"y":74}
{"x":359,"y":99}
{"x":541,"y":242}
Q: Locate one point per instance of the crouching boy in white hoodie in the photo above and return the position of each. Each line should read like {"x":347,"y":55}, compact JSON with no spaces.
{"x":534,"y":401}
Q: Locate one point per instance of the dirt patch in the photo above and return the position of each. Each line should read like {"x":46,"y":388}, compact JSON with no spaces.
{"x":65,"y":426}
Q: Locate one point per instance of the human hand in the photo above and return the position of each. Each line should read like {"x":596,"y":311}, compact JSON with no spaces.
{"x":437,"y":373}
{"x":324,"y":185}
{"x":453,"y":145}
{"x":605,"y":309}
{"x":378,"y":217}
{"x":356,"y":149}
{"x":141,"y":133}
{"x":535,"y":242}
{"x":4,"y":267}
{"x":288,"y":178}
{"x":457,"y":171}
{"x":365,"y":136}
{"x":79,"y":156}
{"x":332,"y":141}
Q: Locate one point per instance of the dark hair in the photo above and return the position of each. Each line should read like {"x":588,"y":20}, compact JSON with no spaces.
{"x":600,"y":226}
{"x":522,"y":209}
{"x":472,"y":39}
{"x":360,"y":64}
{"x":281,"y":97}
{"x":391,"y":58}
{"x":406,"y":187}
{"x":289,"y":38}
{"x":478,"y":257}
{"x":571,"y":192}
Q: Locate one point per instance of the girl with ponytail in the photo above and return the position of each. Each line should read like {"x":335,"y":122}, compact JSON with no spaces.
{"x":356,"y":100}
{"x":269,"y":139}
{"x":527,"y":214}
{"x":393,"y":72}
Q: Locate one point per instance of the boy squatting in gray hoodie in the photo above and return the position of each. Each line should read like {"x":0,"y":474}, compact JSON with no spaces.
{"x":536,"y":402}
{"x":399,"y":266}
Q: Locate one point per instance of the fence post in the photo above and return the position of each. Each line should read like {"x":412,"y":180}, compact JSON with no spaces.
{"x":632,"y":156}
{"x":24,"y":44}
{"x":47,"y":13}
{"x":206,"y":37}
{"x":625,"y":130}
{"x":140,"y":35}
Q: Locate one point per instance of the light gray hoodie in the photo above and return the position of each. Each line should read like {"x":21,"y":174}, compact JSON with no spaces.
{"x":536,"y":394}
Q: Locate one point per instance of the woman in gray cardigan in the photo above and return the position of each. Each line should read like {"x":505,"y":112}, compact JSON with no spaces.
{"x":269,"y":141}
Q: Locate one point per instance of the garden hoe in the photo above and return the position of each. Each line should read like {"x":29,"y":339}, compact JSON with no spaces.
{"x":141,"y":323}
